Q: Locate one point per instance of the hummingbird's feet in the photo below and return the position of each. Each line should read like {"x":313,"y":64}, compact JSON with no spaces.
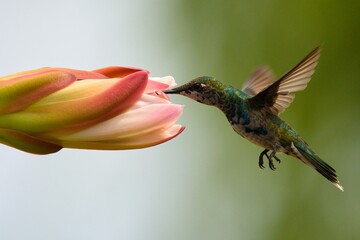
{"x":270,"y":158}
{"x":261,"y":158}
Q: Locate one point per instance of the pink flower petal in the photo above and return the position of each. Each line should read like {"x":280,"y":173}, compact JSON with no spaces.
{"x":155,"y":86}
{"x":24,"y":73}
{"x":80,"y":74}
{"x":168,"y":80}
{"x":27,"y":143}
{"x":159,"y":84}
{"x":131,"y":123}
{"x":20,"y":92}
{"x":116,"y":71}
{"x":77,"y":114}
{"x":148,"y":99}
{"x":145,"y":140}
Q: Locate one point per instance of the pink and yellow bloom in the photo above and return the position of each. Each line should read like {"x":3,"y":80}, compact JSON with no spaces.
{"x":113,"y":108}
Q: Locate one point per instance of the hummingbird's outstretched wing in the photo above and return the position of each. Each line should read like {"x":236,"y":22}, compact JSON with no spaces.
{"x":278,"y":96}
{"x":261,"y":78}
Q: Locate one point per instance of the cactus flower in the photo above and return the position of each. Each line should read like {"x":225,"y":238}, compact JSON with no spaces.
{"x":113,"y":108}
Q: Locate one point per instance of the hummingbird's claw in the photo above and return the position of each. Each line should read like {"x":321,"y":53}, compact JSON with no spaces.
{"x":270,"y":158}
{"x":271,"y":164}
{"x":261,"y":158}
{"x":261,"y":164}
{"x":277,"y":159}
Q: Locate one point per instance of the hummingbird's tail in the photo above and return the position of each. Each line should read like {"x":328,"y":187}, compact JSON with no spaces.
{"x":309,"y":157}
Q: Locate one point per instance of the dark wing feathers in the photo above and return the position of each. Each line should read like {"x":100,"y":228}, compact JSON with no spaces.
{"x":278,"y":96}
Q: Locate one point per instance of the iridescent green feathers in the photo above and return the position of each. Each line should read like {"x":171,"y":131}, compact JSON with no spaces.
{"x":309,"y":157}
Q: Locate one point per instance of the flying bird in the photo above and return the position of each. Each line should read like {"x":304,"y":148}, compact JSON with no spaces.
{"x":253,"y":112}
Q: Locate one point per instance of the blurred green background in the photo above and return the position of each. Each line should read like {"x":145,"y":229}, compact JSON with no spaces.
{"x":204,"y":184}
{"x":228,"y":39}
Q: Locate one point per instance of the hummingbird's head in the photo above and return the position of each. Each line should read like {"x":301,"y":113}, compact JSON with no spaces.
{"x":202,"y":89}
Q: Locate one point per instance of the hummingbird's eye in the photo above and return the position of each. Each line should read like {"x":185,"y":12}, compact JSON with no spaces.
{"x":198,"y":86}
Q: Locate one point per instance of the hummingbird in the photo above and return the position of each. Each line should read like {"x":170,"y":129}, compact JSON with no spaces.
{"x":253,"y":112}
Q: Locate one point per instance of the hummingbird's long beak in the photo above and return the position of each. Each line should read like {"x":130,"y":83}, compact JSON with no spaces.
{"x":176,"y":90}
{"x":171,"y":91}
{"x":168,"y":91}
